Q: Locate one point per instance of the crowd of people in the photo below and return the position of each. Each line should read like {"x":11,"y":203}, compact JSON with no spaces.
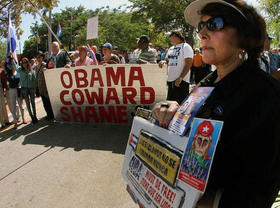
{"x":25,"y":80}
{"x":246,"y":95}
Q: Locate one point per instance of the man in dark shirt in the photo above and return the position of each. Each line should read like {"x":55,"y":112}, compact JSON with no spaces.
{"x":59,"y":58}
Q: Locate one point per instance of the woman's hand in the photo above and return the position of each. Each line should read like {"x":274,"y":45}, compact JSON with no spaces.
{"x":164,"y":112}
{"x":161,"y":63}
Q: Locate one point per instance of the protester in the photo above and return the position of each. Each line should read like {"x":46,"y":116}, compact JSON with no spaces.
{"x":97,"y":54}
{"x":73,"y":57}
{"x":59,"y":58}
{"x":135,"y":54}
{"x":147,"y":54}
{"x":118,"y":53}
{"x":41,"y":85}
{"x":179,"y":59}
{"x":245,"y":171}
{"x":197,"y":70}
{"x":14,"y":92}
{"x":5,"y":86}
{"x":83,"y":59}
{"x":109,"y":57}
{"x":4,"y":119}
{"x":27,"y":83}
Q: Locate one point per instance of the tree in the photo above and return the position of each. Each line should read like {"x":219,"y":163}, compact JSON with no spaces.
{"x":30,"y":48}
{"x":271,"y":9}
{"x":17,"y":8}
{"x":3,"y":50}
{"x":115,"y":26}
{"x":166,"y":15}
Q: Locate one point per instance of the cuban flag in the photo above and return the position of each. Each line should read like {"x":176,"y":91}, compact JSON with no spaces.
{"x":11,"y":40}
{"x":59,"y":32}
{"x":92,"y":54}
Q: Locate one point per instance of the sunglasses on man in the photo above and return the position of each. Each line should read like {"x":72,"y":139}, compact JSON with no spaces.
{"x":213,"y":24}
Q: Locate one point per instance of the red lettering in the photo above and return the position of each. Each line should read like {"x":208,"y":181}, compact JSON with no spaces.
{"x":65,"y":115}
{"x":96,"y":76}
{"x":94,"y":96}
{"x":112,"y":95}
{"x":122,"y":114}
{"x":116,"y":77}
{"x":81,"y":81}
{"x":64,"y":82}
{"x":151,"y":191}
{"x":144,"y":184}
{"x":158,"y":198}
{"x":110,"y":116}
{"x":90,"y":113}
{"x":78,"y":92}
{"x":133,"y":76}
{"x":129,"y":93}
{"x":150,"y":91}
{"x":77,"y":115}
{"x":62,"y":95}
{"x":150,"y":177}
{"x":158,"y":183}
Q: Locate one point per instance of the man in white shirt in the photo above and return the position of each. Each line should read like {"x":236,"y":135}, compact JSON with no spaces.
{"x":179,"y":59}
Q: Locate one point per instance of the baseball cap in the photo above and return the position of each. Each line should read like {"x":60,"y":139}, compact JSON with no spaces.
{"x":108,"y":45}
{"x":82,"y":48}
{"x":144,"y":39}
{"x":192,"y":12}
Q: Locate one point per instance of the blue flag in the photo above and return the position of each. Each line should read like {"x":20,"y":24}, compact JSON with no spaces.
{"x":59,"y":32}
{"x":11,"y":40}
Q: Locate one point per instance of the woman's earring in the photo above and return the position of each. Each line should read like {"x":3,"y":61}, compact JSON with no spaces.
{"x":243,"y":55}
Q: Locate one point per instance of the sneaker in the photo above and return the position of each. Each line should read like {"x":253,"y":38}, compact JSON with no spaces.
{"x":15,"y":126}
{"x":24,"y":122}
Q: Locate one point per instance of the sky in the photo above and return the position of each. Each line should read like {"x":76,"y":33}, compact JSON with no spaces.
{"x":28,"y":20}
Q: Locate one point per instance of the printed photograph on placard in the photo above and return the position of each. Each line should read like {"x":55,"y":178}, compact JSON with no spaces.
{"x":188,"y":109}
{"x":198,"y":156}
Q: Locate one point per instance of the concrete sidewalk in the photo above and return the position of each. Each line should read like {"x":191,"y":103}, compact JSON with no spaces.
{"x":56,"y":165}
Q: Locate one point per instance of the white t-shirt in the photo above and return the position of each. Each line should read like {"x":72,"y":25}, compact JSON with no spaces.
{"x":176,"y":61}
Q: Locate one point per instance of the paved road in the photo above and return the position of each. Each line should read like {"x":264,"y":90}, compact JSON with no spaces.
{"x":55,"y":165}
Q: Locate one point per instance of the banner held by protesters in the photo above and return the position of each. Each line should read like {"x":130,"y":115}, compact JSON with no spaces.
{"x":104,"y":94}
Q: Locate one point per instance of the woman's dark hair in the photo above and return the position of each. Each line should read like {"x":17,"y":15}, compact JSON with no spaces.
{"x":25,"y":60}
{"x":178,"y":34}
{"x":251,"y":31}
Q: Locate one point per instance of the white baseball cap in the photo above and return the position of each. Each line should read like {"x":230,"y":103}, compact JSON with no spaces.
{"x":192,"y":12}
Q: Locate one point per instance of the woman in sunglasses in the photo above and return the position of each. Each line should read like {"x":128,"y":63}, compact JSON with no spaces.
{"x":27,"y":83}
{"x":245,"y":171}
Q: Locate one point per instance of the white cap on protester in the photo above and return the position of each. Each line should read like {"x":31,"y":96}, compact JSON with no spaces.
{"x":192,"y":12}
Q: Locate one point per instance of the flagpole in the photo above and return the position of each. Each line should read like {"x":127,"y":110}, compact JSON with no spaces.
{"x":39,"y":13}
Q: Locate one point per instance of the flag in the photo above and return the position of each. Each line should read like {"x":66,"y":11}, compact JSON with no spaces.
{"x":38,"y":38}
{"x":59,"y":32}
{"x":11,"y":40}
{"x":92,"y":54}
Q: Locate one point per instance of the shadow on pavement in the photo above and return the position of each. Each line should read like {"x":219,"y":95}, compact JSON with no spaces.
{"x":78,"y":136}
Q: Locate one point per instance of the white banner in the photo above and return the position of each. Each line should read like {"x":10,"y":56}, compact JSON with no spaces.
{"x":92,"y":28}
{"x":104,"y":94}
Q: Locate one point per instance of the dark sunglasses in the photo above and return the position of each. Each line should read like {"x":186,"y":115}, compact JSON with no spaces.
{"x":213,"y":24}
{"x":24,"y":62}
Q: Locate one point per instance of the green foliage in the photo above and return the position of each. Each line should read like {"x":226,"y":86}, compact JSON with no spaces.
{"x":166,"y":15}
{"x":17,"y":7}
{"x":30,"y":48}
{"x":116,"y":26}
{"x":3,"y":50}
{"x":271,"y":9}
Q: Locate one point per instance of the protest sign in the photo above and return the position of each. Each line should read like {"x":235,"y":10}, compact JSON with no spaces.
{"x":104,"y":94}
{"x":199,"y":154}
{"x":92,"y":28}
